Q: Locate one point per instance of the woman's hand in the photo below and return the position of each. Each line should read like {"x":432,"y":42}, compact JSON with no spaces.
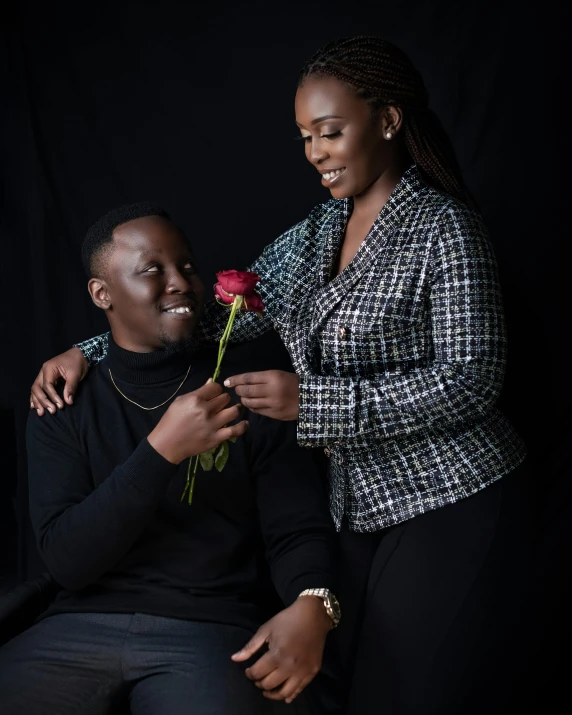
{"x":71,"y":367}
{"x":295,"y":638}
{"x":272,"y":393}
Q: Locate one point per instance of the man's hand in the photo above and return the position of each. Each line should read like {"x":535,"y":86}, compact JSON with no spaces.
{"x":296,"y":638}
{"x":195,"y":423}
{"x":272,"y":393}
{"x":71,"y":367}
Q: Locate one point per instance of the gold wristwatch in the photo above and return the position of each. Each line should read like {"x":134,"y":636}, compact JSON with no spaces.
{"x":331,"y":603}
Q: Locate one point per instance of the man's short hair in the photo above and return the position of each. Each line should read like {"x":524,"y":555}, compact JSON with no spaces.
{"x":97,"y":244}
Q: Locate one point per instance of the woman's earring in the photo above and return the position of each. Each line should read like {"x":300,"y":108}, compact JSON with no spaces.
{"x":388,"y":135}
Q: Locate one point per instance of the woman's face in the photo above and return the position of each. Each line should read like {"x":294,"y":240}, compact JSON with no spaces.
{"x":343,"y":139}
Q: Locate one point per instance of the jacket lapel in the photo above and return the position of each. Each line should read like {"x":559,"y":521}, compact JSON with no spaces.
{"x":330,"y":238}
{"x":381,"y":245}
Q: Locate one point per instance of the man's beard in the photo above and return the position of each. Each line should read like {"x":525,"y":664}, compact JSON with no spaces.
{"x":183,"y":346}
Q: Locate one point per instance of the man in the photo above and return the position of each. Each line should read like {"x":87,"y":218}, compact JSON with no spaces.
{"x":159,"y":594}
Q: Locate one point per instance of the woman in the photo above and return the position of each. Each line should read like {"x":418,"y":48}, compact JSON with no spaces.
{"x":387,"y":299}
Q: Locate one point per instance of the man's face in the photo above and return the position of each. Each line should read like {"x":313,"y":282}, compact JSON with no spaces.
{"x":153,"y":294}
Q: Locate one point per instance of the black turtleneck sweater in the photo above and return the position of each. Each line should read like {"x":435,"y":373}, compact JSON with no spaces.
{"x":113,"y":532}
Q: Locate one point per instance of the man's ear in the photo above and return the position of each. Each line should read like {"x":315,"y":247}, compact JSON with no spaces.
{"x":391,"y":120}
{"x":99,"y":293}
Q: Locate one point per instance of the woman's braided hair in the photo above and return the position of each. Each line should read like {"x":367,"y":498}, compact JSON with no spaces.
{"x":383,"y":75}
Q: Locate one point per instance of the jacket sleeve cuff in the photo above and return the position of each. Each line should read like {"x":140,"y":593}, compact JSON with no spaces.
{"x":94,"y":349}
{"x":326,"y":410}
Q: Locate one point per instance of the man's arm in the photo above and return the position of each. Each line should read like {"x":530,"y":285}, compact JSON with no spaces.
{"x":296,"y":526}
{"x":301,"y":552}
{"x":83,"y":530}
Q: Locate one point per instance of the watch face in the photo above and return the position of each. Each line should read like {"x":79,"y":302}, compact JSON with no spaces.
{"x":335,"y":606}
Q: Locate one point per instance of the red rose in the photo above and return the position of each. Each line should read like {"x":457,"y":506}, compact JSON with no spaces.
{"x":233,"y":283}
{"x":236,"y":289}
{"x":237,"y":282}
{"x":251,"y":304}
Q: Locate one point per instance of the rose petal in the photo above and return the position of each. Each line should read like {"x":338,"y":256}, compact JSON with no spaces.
{"x":238,"y":282}
{"x":254,"y":304}
{"x":222,"y":296}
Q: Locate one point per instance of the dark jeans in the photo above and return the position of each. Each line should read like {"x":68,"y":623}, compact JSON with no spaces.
{"x":87,"y":663}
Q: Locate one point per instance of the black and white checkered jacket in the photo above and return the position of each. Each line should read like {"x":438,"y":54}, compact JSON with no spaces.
{"x":401,"y":356}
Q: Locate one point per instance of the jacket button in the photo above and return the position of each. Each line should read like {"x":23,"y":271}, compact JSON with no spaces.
{"x":342,"y":333}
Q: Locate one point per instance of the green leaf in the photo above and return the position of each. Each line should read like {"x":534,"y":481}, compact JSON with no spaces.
{"x":232,"y":439}
{"x":207,"y":460}
{"x":221,"y":457}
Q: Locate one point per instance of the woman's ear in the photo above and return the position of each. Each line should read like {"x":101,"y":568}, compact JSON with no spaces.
{"x":391,"y":120}
{"x":99,"y":293}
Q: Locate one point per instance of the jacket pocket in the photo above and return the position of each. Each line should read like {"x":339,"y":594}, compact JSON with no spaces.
{"x":369,"y":350}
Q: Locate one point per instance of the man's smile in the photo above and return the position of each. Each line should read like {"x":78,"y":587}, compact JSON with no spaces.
{"x":181,"y":307}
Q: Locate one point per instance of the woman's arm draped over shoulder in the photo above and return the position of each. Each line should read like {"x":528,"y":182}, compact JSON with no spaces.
{"x":466,"y":372}
{"x":248,"y":326}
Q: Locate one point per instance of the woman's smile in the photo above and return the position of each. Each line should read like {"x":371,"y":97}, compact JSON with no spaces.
{"x":332,"y":176}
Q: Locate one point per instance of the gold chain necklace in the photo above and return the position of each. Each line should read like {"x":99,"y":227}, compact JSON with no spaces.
{"x":149,"y":408}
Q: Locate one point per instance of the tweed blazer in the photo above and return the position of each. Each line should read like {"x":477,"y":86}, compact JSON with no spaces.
{"x":401,"y":357}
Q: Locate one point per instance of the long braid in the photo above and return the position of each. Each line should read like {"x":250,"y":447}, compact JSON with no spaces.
{"x":383,"y":75}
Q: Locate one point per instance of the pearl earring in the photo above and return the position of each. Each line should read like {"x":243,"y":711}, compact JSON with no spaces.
{"x":388,"y":135}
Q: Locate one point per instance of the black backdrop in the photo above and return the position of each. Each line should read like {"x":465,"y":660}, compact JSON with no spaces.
{"x":192,"y":105}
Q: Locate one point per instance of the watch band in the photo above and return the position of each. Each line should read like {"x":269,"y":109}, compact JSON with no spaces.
{"x":330,"y":602}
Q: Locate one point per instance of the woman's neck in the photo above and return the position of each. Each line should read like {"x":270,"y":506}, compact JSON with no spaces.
{"x":366,"y":206}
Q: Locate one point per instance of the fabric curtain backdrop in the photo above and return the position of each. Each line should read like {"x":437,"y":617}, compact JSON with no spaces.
{"x":191,"y":105}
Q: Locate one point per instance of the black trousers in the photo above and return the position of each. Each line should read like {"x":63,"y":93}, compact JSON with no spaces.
{"x":432,"y":620}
